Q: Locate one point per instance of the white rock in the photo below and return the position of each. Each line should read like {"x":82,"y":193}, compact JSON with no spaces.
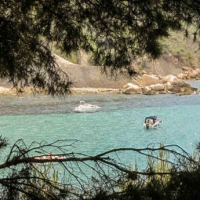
{"x":147,"y":80}
{"x":131,"y":88}
{"x":157,"y":87}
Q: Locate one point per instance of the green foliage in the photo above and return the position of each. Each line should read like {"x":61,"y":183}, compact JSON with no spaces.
{"x":72,"y":57}
{"x":114,"y":32}
{"x":170,"y":174}
{"x":3,"y":143}
{"x":184,"y":49}
{"x":164,"y":179}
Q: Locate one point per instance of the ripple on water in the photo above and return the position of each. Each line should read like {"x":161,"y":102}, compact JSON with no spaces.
{"x":118,"y":124}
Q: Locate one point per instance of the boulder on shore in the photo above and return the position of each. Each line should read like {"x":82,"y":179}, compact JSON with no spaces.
{"x":131,"y":88}
{"x":147,"y":80}
{"x":190,"y":74}
{"x":150,"y":85}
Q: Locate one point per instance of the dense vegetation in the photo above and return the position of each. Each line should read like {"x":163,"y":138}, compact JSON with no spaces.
{"x":176,"y":46}
{"x":114,"y":32}
{"x":170,"y":173}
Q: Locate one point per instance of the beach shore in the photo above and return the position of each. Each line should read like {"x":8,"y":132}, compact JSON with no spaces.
{"x":84,"y":90}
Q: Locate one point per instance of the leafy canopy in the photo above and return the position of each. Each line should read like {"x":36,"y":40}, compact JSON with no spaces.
{"x":116,"y":32}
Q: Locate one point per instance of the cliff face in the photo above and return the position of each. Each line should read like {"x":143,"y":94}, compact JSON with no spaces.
{"x":86,"y":75}
{"x":179,"y":53}
{"x":91,"y":76}
{"x":168,"y":64}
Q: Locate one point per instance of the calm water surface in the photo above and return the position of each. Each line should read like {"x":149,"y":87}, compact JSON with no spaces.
{"x":118,"y":124}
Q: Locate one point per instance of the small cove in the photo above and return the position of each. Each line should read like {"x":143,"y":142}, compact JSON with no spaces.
{"x":117,"y":125}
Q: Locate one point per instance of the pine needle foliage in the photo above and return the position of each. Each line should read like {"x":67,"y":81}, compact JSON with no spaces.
{"x":31,"y":173}
{"x":115,"y":32}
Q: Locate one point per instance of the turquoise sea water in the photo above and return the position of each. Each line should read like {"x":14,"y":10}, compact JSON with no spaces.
{"x":118,"y":124}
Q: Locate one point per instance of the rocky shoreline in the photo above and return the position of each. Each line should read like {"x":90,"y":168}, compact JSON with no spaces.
{"x":147,"y":84}
{"x":151,"y":85}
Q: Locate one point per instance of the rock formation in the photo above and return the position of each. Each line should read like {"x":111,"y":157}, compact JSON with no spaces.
{"x":190,"y":74}
{"x":152,"y":84}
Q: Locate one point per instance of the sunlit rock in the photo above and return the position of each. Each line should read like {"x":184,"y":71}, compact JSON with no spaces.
{"x":131,"y":88}
{"x":147,"y":90}
{"x":147,"y":80}
{"x":157,"y":87}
